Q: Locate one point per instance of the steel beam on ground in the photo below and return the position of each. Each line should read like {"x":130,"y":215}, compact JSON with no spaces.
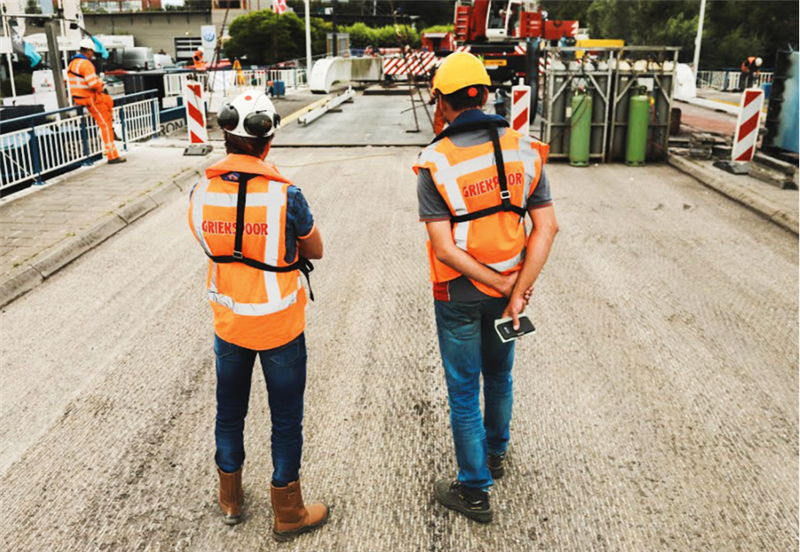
{"x":320,"y":111}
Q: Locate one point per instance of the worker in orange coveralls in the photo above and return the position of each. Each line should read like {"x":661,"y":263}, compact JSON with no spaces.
{"x":87,"y":90}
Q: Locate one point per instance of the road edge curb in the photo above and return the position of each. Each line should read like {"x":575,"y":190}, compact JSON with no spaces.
{"x":767,"y":209}
{"x":40,"y":269}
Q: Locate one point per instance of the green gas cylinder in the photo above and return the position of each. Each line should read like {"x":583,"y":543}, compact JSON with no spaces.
{"x":638,"y":119}
{"x":580,"y":130}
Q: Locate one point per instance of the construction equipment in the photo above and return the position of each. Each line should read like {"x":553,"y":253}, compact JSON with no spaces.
{"x":505,"y":35}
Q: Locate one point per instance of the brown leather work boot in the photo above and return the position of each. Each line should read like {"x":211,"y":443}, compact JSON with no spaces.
{"x":292,"y":517}
{"x":231,"y":496}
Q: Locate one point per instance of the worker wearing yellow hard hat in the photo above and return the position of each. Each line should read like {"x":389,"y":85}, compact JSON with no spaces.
{"x":459,"y":70}
{"x":476,"y":182}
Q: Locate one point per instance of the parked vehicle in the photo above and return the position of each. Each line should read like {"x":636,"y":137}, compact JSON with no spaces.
{"x":114,"y":85}
{"x":163,"y":61}
{"x":138,"y":58}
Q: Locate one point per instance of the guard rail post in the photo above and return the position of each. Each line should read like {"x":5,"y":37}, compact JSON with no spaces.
{"x":87,"y":162}
{"x":124,"y":129}
{"x":37,"y":165}
{"x":154,"y":118}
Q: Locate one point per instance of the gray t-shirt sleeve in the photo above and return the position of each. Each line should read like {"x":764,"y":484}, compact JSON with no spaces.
{"x":540,"y":196}
{"x":432,"y":205}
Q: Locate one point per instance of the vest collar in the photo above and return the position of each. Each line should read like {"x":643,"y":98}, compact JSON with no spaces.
{"x":245,"y":164}
{"x":470,"y":120}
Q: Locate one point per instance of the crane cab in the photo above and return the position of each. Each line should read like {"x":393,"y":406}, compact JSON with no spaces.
{"x":493,"y":20}
{"x":505,"y":19}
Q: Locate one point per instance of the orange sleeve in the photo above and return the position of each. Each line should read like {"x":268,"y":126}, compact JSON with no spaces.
{"x":88,"y":72}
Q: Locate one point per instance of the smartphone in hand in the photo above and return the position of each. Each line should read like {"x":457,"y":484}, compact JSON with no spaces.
{"x":505,"y":328}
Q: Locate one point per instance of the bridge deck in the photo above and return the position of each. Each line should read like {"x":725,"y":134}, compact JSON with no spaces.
{"x":656,"y":407}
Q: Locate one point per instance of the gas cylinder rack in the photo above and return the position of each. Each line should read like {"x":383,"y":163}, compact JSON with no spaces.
{"x":651,"y":67}
{"x":567,"y":70}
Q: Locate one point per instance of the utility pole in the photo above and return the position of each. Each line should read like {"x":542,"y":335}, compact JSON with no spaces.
{"x":699,"y":39}
{"x":334,"y":36}
{"x":7,"y":31}
{"x":51,"y":29}
{"x":308,"y":40}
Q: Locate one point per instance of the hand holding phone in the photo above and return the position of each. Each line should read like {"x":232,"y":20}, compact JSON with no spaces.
{"x":505,"y":328}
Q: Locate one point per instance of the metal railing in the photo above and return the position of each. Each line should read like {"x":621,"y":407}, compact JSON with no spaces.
{"x":230,"y":82}
{"x":69,"y":138}
{"x":730,"y":80}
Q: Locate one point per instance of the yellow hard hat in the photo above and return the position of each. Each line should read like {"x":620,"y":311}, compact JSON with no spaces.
{"x":459,"y":70}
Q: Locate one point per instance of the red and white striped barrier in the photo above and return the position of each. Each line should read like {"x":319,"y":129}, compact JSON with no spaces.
{"x":521,"y":107}
{"x":195,"y":113}
{"x":521,"y":49}
{"x":744,"y":141}
{"x":464,"y":49}
{"x":414,"y":63}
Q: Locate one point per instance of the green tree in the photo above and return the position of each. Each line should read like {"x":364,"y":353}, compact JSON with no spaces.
{"x":33,"y":7}
{"x":196,"y":5}
{"x":265,"y":37}
{"x":439,"y":29}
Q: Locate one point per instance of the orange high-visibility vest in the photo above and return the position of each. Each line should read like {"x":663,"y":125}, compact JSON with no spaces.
{"x":199,"y":62}
{"x":83,"y":79}
{"x":468,"y":180}
{"x":748,"y":64}
{"x":253,"y":308}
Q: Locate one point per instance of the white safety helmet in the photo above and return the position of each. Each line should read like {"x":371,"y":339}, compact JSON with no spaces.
{"x":88,"y":44}
{"x":759,"y":61}
{"x":250,"y":115}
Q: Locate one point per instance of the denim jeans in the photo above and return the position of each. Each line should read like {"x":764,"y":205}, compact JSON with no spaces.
{"x":470,"y":347}
{"x":285,"y":373}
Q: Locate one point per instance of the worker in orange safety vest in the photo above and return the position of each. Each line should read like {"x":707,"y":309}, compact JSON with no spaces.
{"x":86,"y":89}
{"x":476,"y":183}
{"x":751,"y":67}
{"x":258,"y":232}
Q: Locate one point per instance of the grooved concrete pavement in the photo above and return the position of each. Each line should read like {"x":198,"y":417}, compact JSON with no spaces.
{"x":33,"y":225}
{"x":656,"y":407}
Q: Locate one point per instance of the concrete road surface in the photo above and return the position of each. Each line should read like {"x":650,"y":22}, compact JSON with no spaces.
{"x":656,"y":407}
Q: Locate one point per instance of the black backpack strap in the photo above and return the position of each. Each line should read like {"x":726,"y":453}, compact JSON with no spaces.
{"x":241,"y":203}
{"x":302,"y":264}
{"x":505,"y":195}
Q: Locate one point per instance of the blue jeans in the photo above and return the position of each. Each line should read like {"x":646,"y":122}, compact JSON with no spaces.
{"x":470,"y":347}
{"x":285,"y":373}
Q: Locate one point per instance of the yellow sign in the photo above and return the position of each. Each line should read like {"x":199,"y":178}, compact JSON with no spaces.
{"x":495,"y":62}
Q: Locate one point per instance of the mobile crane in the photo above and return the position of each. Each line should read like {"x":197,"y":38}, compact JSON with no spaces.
{"x":505,"y":34}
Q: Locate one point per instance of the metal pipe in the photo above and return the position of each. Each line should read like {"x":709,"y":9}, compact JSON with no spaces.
{"x":51,"y":30}
{"x":320,"y":111}
{"x":699,"y":39}
{"x":308,"y":36}
{"x":8,"y":57}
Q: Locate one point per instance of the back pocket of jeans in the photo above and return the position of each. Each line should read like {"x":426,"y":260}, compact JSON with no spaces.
{"x":285,"y":355}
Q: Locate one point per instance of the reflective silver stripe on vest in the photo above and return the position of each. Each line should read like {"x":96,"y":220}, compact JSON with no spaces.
{"x":253,"y":309}
{"x":502,"y":266}
{"x":276,"y":200}
{"x":529,"y":157}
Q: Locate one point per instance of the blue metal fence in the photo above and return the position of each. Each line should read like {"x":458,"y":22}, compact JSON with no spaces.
{"x":35,"y":147}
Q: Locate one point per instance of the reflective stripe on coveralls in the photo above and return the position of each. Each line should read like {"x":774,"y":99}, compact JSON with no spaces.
{"x":467,"y":180}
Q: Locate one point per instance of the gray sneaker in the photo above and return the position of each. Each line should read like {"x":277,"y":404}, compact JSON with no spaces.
{"x":473,"y":503}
